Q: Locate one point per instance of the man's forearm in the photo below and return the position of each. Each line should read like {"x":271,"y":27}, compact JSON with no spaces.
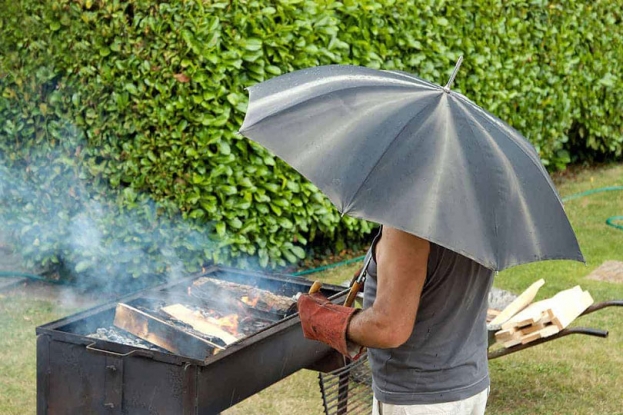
{"x":401,"y":272}
{"x":371,"y":329}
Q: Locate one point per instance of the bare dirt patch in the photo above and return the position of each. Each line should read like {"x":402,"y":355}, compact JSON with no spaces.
{"x":609,"y":271}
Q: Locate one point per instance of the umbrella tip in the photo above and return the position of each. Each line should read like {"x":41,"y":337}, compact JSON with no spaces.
{"x":456,"y":69}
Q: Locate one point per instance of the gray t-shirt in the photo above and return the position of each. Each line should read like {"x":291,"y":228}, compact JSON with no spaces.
{"x":445,"y":359}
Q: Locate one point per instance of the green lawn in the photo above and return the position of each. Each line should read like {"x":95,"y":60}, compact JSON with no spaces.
{"x":18,"y":318}
{"x":573,"y":375}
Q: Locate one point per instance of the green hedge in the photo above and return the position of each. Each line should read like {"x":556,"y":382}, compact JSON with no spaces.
{"x":115,"y":103}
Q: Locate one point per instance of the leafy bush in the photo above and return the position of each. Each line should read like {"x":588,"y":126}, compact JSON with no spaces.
{"x":137,"y":100}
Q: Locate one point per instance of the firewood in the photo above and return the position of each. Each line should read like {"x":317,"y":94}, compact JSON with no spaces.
{"x":532,"y":328}
{"x":568,"y":305}
{"x":512,"y":342}
{"x":505,"y":335}
{"x":544,"y":318}
{"x":547,"y":331}
{"x":491,"y":314}
{"x":219,"y":291}
{"x":530,"y":315}
{"x":519,"y":303}
{"x":162,"y":333}
{"x":198,"y":322}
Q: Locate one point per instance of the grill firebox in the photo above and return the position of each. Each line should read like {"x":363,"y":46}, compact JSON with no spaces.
{"x":81,"y":375}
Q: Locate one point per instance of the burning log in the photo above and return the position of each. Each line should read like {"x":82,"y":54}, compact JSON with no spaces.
{"x":200,"y":323}
{"x":206,"y":321}
{"x":248,"y":296}
{"x":163,"y":334}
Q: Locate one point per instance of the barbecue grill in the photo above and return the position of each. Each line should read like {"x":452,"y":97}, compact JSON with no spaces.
{"x":77,"y":374}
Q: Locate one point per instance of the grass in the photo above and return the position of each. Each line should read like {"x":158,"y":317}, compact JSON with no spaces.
{"x":572,"y":375}
{"x":18,"y":318}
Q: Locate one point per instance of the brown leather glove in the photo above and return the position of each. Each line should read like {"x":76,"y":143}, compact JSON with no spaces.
{"x":325,"y":321}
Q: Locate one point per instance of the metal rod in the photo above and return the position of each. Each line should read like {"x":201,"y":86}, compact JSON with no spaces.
{"x":349,"y":367}
{"x":340,"y":294}
{"x":353,"y":402}
{"x":332,"y":383}
{"x":343,"y":390}
{"x":456,"y":69}
{"x":138,"y":352}
{"x":323,"y":392}
{"x":359,"y":404}
{"x":357,"y":390}
{"x":340,"y":394}
{"x":364,"y":393}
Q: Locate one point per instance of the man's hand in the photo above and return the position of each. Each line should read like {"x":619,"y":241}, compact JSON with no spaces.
{"x":325,"y":321}
{"x":402,"y":261}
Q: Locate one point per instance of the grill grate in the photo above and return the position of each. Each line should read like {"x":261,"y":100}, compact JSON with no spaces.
{"x":348,"y":390}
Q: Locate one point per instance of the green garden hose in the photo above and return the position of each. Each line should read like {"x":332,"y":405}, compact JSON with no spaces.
{"x":591,"y":192}
{"x":611,"y":220}
{"x":326,"y":267}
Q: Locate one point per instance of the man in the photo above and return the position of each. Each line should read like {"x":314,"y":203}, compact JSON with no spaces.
{"x":423,"y":322}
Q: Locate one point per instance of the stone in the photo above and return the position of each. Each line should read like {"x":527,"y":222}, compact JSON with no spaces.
{"x":609,"y":271}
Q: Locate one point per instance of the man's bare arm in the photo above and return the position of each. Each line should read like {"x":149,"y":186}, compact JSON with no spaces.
{"x":401,"y":263}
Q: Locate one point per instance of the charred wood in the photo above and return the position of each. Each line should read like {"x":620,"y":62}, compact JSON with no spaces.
{"x":245,"y":296}
{"x":162,"y":333}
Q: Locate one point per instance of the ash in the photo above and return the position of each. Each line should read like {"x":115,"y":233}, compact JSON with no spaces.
{"x":115,"y":335}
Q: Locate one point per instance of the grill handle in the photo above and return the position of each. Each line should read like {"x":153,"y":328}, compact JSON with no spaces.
{"x":144,"y":353}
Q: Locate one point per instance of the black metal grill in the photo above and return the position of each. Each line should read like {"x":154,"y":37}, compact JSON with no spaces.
{"x":80,"y":375}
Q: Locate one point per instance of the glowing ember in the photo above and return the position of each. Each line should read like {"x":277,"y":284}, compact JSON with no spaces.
{"x":250,"y":302}
{"x":229,"y":323}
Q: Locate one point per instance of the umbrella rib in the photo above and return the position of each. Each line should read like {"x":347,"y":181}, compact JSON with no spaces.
{"x":495,"y":216}
{"x":514,"y":177}
{"x":414,"y":78}
{"x":491,"y":119}
{"x":363,"y":182}
{"x":307,"y":99}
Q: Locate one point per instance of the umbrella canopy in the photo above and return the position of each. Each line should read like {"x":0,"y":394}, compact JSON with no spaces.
{"x":397,"y":150}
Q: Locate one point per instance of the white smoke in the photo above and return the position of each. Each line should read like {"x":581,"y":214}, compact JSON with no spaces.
{"x":66,"y":224}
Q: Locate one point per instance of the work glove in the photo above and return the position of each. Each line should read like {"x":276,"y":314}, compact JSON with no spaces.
{"x":327,"y":322}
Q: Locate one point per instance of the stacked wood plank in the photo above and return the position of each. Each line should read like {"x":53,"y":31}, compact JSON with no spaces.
{"x":544,"y":318}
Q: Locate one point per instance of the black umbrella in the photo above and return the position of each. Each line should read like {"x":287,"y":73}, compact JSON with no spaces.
{"x":394,"y":149}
